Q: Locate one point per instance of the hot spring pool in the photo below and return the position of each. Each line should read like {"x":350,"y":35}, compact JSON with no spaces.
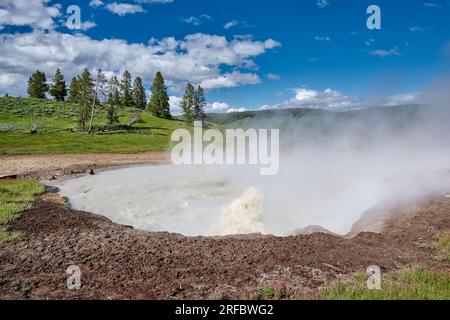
{"x":213,"y":201}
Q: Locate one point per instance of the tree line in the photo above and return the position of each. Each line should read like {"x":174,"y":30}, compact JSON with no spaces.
{"x":91,"y":91}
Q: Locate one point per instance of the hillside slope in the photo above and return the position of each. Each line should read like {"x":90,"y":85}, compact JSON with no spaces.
{"x":56,"y":130}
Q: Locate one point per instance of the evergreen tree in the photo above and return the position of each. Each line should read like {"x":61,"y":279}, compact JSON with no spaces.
{"x":125,"y":90}
{"x":113,"y":101}
{"x":74,"y":90}
{"x":100,"y":92}
{"x":114,"y":92}
{"x":58,"y":88}
{"x":199,"y":104}
{"x":139,"y":98}
{"x":159,"y":102}
{"x":86,"y":98}
{"x":37,"y":85}
{"x":187,"y":104}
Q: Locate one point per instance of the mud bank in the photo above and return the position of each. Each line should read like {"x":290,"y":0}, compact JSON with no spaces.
{"x":118,"y":262}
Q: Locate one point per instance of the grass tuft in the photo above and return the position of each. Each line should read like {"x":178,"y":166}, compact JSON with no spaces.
{"x":413,"y":284}
{"x":6,"y":236}
{"x":16,"y":196}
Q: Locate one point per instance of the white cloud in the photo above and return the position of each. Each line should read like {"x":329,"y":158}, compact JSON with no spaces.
{"x":237,"y":110}
{"x":35,"y":14}
{"x":274,"y":77}
{"x":385,"y":53}
{"x":86,"y":25}
{"x":432,"y":5}
{"x":322,"y":39}
{"x":96,"y":3}
{"x":197,"y":58}
{"x":155,"y":1}
{"x":218,"y":107}
{"x":333,"y":100}
{"x":322,"y":3}
{"x":416,"y":29}
{"x":231,"y":24}
{"x":196,"y":21}
{"x":123,"y":9}
{"x":230,"y":80}
{"x":369,"y":42}
{"x":174,"y":102}
{"x":214,"y":107}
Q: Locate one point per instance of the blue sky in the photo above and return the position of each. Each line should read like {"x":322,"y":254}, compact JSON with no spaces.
{"x":314,"y":45}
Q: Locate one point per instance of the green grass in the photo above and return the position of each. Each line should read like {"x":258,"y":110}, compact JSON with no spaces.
{"x":58,"y":134}
{"x":16,"y":196}
{"x":413,"y":284}
{"x":6,"y":236}
{"x":443,"y":245}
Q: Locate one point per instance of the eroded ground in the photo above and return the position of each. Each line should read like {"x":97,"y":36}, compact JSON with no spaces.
{"x":118,"y":262}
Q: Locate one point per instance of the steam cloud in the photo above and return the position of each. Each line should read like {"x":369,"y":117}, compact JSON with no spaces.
{"x":333,"y":168}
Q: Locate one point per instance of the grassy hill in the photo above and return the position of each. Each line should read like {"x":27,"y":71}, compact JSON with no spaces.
{"x":35,"y":126}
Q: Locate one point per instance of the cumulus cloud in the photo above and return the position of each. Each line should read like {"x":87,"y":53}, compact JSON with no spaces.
{"x":123,"y":9}
{"x":214,"y":107}
{"x":197,"y":58}
{"x":36,"y":14}
{"x":333,"y":100}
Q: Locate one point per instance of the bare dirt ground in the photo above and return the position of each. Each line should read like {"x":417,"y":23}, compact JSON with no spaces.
{"x":48,"y":167}
{"x":118,"y":262}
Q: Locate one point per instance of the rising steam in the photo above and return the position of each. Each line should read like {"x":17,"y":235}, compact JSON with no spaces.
{"x":333,"y":168}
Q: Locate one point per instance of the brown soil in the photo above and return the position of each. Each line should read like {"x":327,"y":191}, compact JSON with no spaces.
{"x":118,"y":262}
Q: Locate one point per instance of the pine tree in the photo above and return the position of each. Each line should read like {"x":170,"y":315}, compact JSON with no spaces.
{"x":86,"y":97}
{"x":113,"y":101}
{"x":37,"y":85}
{"x":125,"y":90}
{"x":187,"y":104}
{"x":100,"y":92}
{"x":74,"y":90}
{"x":58,"y":88}
{"x":114,"y":92}
{"x":199,"y":104}
{"x":139,"y":98}
{"x":159,"y":102}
